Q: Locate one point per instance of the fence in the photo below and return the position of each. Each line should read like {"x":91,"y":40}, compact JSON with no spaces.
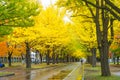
{"x":13,"y":59}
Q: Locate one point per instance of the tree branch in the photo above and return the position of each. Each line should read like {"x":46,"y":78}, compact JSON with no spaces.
{"x":104,"y":7}
{"x":82,"y":15}
{"x":113,"y":6}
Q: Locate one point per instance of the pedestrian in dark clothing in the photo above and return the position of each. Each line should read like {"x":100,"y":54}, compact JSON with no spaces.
{"x":81,"y":61}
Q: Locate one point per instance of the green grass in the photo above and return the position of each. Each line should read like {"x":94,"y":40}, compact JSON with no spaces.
{"x":33,"y":66}
{"x":6,"y":73}
{"x":16,"y":64}
{"x":93,"y":73}
{"x":43,"y":65}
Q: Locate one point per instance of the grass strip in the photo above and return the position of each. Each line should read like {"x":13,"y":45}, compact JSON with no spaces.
{"x":94,"y":73}
{"x":2,"y":74}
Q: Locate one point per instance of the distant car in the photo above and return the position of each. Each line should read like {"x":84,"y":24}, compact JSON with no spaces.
{"x":2,"y":65}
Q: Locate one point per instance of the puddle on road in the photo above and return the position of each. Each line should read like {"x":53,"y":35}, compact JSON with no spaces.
{"x":40,"y":74}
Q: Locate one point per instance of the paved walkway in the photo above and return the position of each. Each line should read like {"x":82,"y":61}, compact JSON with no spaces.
{"x":115,"y":70}
{"x":44,"y":74}
{"x":116,"y":73}
{"x":76,"y":74}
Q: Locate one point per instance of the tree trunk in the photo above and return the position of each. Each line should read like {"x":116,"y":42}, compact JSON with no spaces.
{"x":93,"y":50}
{"x":28,"y":56}
{"x":53,"y":55}
{"x":104,"y":62}
{"x":72,"y":59}
{"x":57,"y":58}
{"x":103,"y":40}
{"x":104,"y":50}
{"x":41,"y":57}
{"x":114,"y":60}
{"x":63,"y":57}
{"x":9,"y":58}
{"x":53,"y":58}
{"x":102,"y":35}
{"x":67,"y":58}
{"x":48,"y":57}
{"x":89,"y":59}
{"x":117,"y":60}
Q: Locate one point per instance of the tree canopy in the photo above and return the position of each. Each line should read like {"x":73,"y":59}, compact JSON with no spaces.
{"x":17,"y":13}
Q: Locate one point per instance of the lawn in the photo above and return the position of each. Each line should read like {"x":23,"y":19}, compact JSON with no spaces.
{"x":93,"y":73}
{"x":33,"y":66}
{"x":6,"y":74}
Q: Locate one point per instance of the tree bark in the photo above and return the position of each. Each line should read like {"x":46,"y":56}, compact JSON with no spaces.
{"x":111,"y":10}
{"x":89,"y":59}
{"x":53,"y":55}
{"x":41,"y":57}
{"x":114,"y":60}
{"x":113,"y":6}
{"x":53,"y":58}
{"x":48,"y":57}
{"x":63,"y":57}
{"x":57,"y":58}
{"x":102,"y":34}
{"x":67,"y":58}
{"x":93,"y":50}
{"x":117,"y":60}
{"x":104,"y":45}
{"x":28,"y":57}
{"x":9,"y":58}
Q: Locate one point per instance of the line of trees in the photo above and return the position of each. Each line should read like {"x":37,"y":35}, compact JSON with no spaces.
{"x":50,"y":30}
{"x":103,"y":13}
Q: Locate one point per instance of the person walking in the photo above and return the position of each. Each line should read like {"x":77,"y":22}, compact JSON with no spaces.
{"x":81,"y":61}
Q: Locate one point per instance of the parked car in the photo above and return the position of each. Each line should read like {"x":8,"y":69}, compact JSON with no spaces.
{"x":2,"y":65}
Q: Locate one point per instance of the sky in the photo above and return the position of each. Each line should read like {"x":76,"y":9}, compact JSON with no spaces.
{"x":46,"y":3}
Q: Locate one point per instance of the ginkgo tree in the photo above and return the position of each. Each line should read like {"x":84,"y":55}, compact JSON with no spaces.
{"x":57,"y":25}
{"x":46,"y":32}
{"x":83,"y":25}
{"x":84,"y":29}
{"x":53,"y":28}
{"x":17,"y":13}
{"x":114,"y":48}
{"x":103,"y":13}
{"x":49,"y":35}
{"x":26,"y":36}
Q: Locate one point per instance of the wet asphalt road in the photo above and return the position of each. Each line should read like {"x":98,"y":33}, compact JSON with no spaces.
{"x":39,"y":74}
